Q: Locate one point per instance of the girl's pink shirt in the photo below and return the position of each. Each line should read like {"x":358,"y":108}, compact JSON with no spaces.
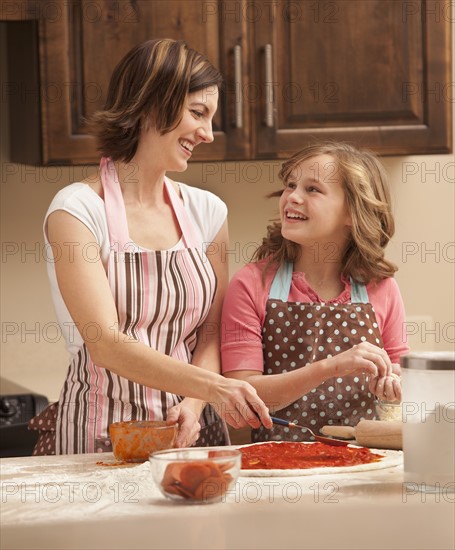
{"x":244,"y":312}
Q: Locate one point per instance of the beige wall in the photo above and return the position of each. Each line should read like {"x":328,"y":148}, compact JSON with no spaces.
{"x":33,"y":355}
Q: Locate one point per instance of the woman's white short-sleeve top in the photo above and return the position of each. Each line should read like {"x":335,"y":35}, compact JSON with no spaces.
{"x":207,"y":212}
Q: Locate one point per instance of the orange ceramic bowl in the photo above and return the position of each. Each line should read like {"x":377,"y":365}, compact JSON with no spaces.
{"x":136,"y":440}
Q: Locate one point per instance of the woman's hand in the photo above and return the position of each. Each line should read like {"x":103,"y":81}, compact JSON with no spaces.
{"x":188,"y":424}
{"x":362,"y":358}
{"x":238,"y":403}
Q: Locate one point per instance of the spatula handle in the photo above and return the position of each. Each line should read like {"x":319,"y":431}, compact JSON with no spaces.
{"x":277,"y":420}
{"x":280,"y":421}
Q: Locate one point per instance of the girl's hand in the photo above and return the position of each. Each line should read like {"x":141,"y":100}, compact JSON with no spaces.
{"x":396,"y":370}
{"x":188,"y":424}
{"x":238,"y":403}
{"x":362,"y":358}
{"x":387,"y":388}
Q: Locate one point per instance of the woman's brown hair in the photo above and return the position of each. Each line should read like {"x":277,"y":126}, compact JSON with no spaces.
{"x":368,"y":200}
{"x":149,"y":84}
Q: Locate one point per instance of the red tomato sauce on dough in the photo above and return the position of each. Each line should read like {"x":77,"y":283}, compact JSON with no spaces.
{"x":289,"y":455}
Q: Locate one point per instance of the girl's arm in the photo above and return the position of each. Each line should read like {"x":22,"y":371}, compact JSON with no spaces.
{"x":389,"y":307}
{"x":388,"y":304}
{"x":87,"y":295}
{"x":280,"y":390}
{"x":242,"y":320}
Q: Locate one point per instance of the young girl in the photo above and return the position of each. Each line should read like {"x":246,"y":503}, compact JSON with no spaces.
{"x":315,"y":324}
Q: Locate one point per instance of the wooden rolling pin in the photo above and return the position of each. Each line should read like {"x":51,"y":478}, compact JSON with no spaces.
{"x":378,"y":434}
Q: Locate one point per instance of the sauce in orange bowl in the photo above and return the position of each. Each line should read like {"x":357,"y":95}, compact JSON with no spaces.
{"x":136,"y":440}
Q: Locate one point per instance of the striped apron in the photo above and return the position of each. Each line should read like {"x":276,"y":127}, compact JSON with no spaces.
{"x":296,"y":334}
{"x":162,"y":298}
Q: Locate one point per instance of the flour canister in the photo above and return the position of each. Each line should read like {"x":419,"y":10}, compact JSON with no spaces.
{"x":428,"y":380}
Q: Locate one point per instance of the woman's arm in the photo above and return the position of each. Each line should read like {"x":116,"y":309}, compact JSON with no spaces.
{"x":87,"y":295}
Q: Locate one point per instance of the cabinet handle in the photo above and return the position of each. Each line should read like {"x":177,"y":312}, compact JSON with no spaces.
{"x":238,"y":86}
{"x":268,"y":86}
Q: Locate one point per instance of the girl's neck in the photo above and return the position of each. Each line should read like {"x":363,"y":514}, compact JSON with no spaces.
{"x":322,"y":268}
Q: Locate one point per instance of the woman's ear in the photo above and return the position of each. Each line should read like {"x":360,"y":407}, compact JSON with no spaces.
{"x":148,"y":121}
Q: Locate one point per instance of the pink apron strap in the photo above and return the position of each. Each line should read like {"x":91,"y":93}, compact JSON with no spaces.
{"x":188,"y":234}
{"x":115,"y":207}
{"x":116,"y":213}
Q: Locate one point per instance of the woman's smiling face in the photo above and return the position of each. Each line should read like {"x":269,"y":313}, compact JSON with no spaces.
{"x":313,"y":207}
{"x":173,"y":150}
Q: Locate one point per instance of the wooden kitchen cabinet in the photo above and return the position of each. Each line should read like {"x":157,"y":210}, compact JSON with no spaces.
{"x":77,"y":46}
{"x":374,"y":72}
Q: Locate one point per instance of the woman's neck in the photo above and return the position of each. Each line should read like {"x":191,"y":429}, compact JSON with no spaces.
{"x":140,"y":184}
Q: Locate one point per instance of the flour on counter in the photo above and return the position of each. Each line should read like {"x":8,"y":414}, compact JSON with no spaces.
{"x":88,"y":492}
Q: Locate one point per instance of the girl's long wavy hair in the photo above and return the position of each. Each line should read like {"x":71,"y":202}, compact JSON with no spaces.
{"x":149,"y":85}
{"x":368,"y":200}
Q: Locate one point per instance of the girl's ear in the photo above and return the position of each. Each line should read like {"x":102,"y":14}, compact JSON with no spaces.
{"x":348,"y":219}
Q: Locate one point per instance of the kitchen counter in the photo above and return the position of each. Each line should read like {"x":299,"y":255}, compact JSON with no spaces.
{"x":73,"y":502}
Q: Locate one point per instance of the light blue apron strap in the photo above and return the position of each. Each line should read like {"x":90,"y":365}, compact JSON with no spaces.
{"x":281,"y":284}
{"x":359,"y":294}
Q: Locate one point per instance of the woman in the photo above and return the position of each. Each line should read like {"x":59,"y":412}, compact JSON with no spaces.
{"x":315,"y":324}
{"x":136,"y":294}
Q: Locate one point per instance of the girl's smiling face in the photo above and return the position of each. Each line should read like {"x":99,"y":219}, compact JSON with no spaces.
{"x":313,"y":207}
{"x":171,"y":151}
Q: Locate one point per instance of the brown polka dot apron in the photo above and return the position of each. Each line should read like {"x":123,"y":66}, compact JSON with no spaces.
{"x":162,"y":298}
{"x":296,"y":334}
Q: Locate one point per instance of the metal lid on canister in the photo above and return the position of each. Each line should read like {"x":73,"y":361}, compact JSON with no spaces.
{"x":429,"y":360}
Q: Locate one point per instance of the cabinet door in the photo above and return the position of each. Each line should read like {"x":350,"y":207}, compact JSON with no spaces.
{"x":373,"y":72}
{"x":80,"y":46}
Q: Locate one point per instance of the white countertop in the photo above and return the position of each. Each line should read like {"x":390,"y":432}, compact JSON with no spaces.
{"x":71,"y":502}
